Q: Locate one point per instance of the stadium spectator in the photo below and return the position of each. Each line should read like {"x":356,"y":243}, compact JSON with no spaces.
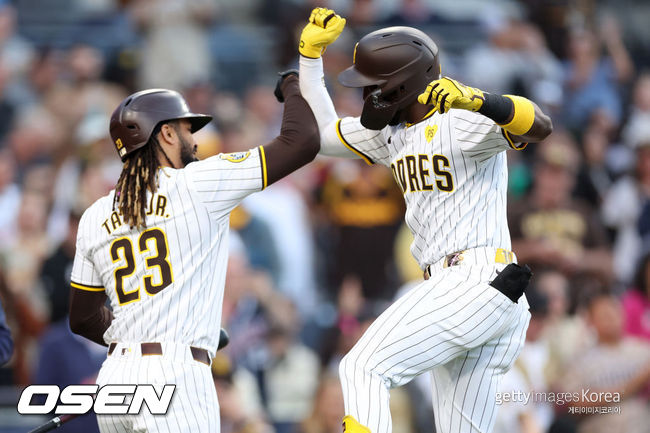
{"x":548,"y":228}
{"x":515,"y":59}
{"x":365,"y":207}
{"x":594,"y":177}
{"x":240,"y":405}
{"x":572,"y":327}
{"x":637,"y":128}
{"x":259,"y":243}
{"x":55,"y":273}
{"x":175,"y":50}
{"x":287,"y":401}
{"x":622,"y":209}
{"x":9,"y":196}
{"x":327,"y":410}
{"x":636,"y":302}
{"x":6,"y":342}
{"x":250,"y":305}
{"x":66,"y":359}
{"x":617,"y":364}
{"x":592,"y":82}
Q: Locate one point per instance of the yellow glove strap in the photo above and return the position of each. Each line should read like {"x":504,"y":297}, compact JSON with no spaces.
{"x":523,"y":118}
{"x":309,"y":50}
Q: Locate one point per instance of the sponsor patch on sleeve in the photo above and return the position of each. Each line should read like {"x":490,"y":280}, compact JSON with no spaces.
{"x":235,"y":156}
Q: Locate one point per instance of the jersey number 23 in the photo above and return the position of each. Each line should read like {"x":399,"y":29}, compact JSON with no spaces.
{"x":122,"y":250}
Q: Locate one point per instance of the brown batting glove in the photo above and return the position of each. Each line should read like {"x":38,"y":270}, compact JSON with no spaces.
{"x":287,"y":85}
{"x":224,"y":339}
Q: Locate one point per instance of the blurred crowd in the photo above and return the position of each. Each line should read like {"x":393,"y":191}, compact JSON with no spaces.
{"x":315,"y":258}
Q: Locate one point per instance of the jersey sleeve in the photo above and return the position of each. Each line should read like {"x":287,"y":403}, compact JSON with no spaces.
{"x":223,"y":181}
{"x":367,"y":144}
{"x":478,"y":136}
{"x":84,"y":274}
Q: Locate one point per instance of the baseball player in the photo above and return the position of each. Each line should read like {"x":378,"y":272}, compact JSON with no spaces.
{"x":444,"y":143}
{"x":157,"y":247}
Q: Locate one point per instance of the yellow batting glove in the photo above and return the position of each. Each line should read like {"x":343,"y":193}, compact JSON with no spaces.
{"x":323,"y":28}
{"x":446,"y":93}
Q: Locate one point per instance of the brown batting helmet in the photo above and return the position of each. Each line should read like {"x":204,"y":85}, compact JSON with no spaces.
{"x":135,"y":119}
{"x":394,"y":65}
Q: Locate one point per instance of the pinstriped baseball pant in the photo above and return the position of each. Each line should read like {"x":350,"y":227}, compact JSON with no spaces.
{"x":454,"y":325}
{"x":194,"y":406}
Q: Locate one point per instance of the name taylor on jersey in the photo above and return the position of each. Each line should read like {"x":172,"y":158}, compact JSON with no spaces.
{"x":157,"y":206}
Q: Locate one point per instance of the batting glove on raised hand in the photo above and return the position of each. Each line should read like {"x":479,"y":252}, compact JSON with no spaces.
{"x":323,"y":28}
{"x":446,"y":93}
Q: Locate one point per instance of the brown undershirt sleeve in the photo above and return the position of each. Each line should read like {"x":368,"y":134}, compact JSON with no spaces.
{"x":299,"y":139}
{"x":89,"y":316}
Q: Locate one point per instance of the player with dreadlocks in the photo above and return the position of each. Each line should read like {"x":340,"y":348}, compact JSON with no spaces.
{"x":140,"y":174}
{"x":157,"y":247}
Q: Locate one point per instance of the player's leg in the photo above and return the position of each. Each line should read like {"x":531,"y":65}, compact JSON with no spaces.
{"x":194,"y":406}
{"x":464,"y":389}
{"x":432,"y":324}
{"x":112,"y":372}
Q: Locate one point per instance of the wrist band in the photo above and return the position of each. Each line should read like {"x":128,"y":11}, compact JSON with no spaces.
{"x":496,"y":107}
{"x":523,"y":118}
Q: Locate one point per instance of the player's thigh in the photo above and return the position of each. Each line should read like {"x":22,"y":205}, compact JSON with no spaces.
{"x":114,"y":372}
{"x":432,"y":324}
{"x":194,"y":406}
{"x":464,"y":389}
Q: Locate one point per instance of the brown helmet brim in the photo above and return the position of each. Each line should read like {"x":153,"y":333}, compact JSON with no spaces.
{"x":351,"y":77}
{"x":198,"y":121}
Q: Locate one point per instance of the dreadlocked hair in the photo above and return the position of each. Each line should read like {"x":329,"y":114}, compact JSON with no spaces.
{"x":139,"y":175}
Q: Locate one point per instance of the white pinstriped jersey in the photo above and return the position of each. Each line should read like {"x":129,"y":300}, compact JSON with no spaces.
{"x":165,"y":282}
{"x":452,"y":171}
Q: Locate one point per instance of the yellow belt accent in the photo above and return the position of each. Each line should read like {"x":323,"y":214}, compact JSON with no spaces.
{"x":504,"y":256}
{"x":501,"y":256}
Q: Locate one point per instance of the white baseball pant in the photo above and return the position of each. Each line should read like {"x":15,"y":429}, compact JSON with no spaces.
{"x":455,"y":325}
{"x":194,"y":406}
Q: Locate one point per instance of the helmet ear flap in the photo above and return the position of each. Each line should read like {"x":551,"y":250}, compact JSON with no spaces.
{"x":376,"y":114}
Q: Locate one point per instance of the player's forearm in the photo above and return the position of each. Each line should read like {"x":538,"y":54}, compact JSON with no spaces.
{"x":312,"y":87}
{"x":522,"y":118}
{"x":298,"y":142}
{"x":89,"y":317}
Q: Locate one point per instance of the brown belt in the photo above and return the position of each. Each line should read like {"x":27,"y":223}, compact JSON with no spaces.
{"x":501,"y":256}
{"x":199,"y":355}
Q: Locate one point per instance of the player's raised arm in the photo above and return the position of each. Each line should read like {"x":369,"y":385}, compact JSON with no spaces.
{"x":323,"y":28}
{"x":298,"y":142}
{"x":521,"y":118}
